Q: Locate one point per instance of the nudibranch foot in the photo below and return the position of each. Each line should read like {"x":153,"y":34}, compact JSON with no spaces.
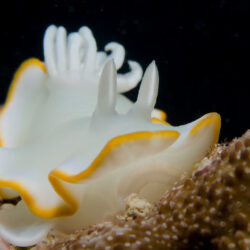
{"x":74,"y":148}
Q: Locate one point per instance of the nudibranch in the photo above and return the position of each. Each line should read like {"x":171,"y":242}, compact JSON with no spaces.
{"x":73,"y":147}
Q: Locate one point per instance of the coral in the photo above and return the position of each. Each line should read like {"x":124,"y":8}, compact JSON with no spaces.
{"x":209,"y":210}
{"x":135,"y":206}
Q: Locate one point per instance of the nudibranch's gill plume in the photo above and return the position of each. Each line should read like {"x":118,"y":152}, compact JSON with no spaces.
{"x":74,"y":148}
{"x":76,"y":57}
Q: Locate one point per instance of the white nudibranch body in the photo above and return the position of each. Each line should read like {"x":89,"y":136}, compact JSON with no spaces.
{"x":73,"y":147}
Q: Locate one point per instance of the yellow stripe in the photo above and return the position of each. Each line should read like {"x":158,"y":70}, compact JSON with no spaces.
{"x":1,"y":194}
{"x":206,"y":121}
{"x":158,"y":121}
{"x":109,"y":147}
{"x":163,"y":115}
{"x":28,"y":63}
{"x":54,"y":177}
{"x":62,"y":210}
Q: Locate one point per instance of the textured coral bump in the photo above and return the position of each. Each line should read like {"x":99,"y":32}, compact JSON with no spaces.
{"x":209,"y":211}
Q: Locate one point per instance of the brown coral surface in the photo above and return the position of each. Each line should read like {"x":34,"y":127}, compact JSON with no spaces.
{"x":210,"y":210}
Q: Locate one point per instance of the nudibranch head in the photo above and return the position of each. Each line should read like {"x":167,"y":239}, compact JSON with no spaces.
{"x":74,"y":148}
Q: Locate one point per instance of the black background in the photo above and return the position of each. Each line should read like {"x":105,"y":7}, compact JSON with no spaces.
{"x":201,"y":48}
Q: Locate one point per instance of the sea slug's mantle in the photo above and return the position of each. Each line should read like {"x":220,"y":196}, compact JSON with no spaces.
{"x":74,"y":148}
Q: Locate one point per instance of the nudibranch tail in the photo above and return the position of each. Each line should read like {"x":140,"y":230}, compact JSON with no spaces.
{"x":73,"y":147}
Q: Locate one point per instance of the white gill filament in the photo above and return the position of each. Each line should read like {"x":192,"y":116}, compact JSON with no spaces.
{"x":91,"y":49}
{"x":107,"y":89}
{"x":61,"y":49}
{"x":100,"y":59}
{"x":128,"y":81}
{"x":78,"y":53}
{"x":117,"y":53}
{"x":49,"y":50}
{"x":148,"y":91}
{"x":75,"y":43}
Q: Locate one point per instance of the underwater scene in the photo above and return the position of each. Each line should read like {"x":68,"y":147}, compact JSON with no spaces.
{"x":124,"y":125}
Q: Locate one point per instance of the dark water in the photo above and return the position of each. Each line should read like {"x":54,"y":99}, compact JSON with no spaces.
{"x":200,"y":47}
